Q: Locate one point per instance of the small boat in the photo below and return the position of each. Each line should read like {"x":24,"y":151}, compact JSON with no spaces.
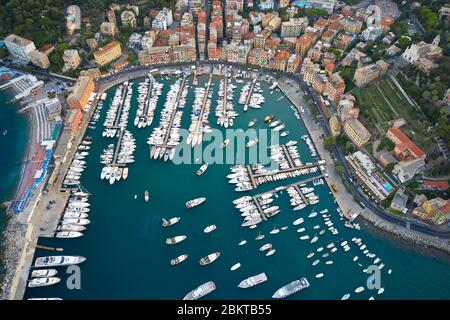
{"x":210,"y":228}
{"x":209,"y":258}
{"x":359,"y":289}
{"x":284,"y":228}
{"x":315,"y":262}
{"x":146,"y":196}
{"x":268,"y":118}
{"x":274,"y":231}
{"x":329,"y":262}
{"x":251,"y":143}
{"x":345,"y":296}
{"x":235,"y":266}
{"x":310,"y":255}
{"x":242,"y":242}
{"x":202,"y":169}
{"x":300,"y":230}
{"x":304,"y":237}
{"x":43,"y":282}
{"x":380,"y":291}
{"x":194,"y":203}
{"x":298,"y":221}
{"x":171,"y":221}
{"x":253,"y":122}
{"x":176,"y":239}
{"x":314,"y":239}
{"x":271,"y":252}
{"x":260,"y":236}
{"x":265,"y":247}
{"x":319,"y":275}
{"x":201,"y":291}
{"x":44,"y":273}
{"x":179,"y":259}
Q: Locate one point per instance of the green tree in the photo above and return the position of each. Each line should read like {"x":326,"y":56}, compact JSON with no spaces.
{"x":328,"y":142}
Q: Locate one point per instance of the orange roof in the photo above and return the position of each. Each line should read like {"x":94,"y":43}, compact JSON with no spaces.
{"x":271,"y":42}
{"x":320,"y":23}
{"x":282,"y":55}
{"x":202,"y":17}
{"x":329,"y":66}
{"x":305,"y":39}
{"x":406,"y":143}
{"x":441,"y":185}
{"x":107,"y":47}
{"x":446,"y":209}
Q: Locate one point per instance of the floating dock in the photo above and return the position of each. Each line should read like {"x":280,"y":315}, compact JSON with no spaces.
{"x":250,"y":92}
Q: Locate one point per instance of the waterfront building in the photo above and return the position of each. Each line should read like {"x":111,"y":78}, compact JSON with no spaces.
{"x":281,"y":60}
{"x":128,"y":19}
{"x":120,"y":63}
{"x":367,"y":176}
{"x":39,"y":59}
{"x":399,"y":201}
{"x":19,"y":48}
{"x":108,"y":53}
{"x":109,"y":29}
{"x":293,"y":63}
{"x":92,"y":72}
{"x":155,"y":55}
{"x":309,"y":69}
{"x":81,"y":92}
{"x":319,"y":81}
{"x":368,"y":73}
{"x":71,"y":59}
{"x":236,"y":53}
{"x":293,"y":27}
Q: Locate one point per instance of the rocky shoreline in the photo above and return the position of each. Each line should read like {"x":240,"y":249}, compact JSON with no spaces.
{"x":405,"y":234}
{"x":11,"y":250}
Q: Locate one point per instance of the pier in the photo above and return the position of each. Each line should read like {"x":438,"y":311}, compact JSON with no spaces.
{"x":147,"y":99}
{"x":119,"y":111}
{"x":287,"y":156}
{"x":282,"y":188}
{"x":116,"y":152}
{"x":202,"y":110}
{"x":225,"y":93}
{"x":172,"y":117}
{"x":296,"y":187}
{"x":252,"y":86}
{"x":306,"y":166}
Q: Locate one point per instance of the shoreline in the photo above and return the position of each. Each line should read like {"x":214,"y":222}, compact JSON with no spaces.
{"x":14,"y":231}
{"x":27,"y":231}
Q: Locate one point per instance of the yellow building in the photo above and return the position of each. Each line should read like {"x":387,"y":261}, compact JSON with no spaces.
{"x":335,"y":125}
{"x":108,"y":53}
{"x":81,"y":92}
{"x":71,"y":59}
{"x":39,"y":59}
{"x":356,"y":131}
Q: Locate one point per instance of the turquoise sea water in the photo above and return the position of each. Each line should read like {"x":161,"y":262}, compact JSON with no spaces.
{"x":12,"y":146}
{"x":127,"y":257}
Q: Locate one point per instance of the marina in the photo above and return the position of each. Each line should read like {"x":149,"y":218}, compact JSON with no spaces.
{"x":143,"y":235}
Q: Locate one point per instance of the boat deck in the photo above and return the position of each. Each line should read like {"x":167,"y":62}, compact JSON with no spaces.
{"x":119,"y":111}
{"x":116,"y":152}
{"x":287,"y":156}
{"x":149,"y":95}
{"x":202,"y":110}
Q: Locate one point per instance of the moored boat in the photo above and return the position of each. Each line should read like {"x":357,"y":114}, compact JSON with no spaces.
{"x":176,"y":239}
{"x":291,"y":288}
{"x":201,"y":291}
{"x":253,"y":281}
{"x":195,"y":202}
{"x":209,"y":258}
{"x":43,"y":282}
{"x":179,"y":259}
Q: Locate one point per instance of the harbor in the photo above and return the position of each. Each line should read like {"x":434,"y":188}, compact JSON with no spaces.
{"x":121,"y":219}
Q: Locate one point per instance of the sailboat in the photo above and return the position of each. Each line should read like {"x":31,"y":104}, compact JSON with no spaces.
{"x":274,"y":230}
{"x":146,"y":196}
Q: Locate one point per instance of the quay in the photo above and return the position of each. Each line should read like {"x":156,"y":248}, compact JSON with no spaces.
{"x":258,"y":206}
{"x":306,"y":166}
{"x":301,"y":194}
{"x":252,"y":178}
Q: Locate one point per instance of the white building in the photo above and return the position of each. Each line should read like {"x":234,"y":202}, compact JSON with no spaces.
{"x":134,"y":40}
{"x":371,"y":33}
{"x":73,"y":18}
{"x":266,"y":5}
{"x":163,"y":20}
{"x":19,"y":48}
{"x":146,"y":41}
{"x":321,"y":4}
